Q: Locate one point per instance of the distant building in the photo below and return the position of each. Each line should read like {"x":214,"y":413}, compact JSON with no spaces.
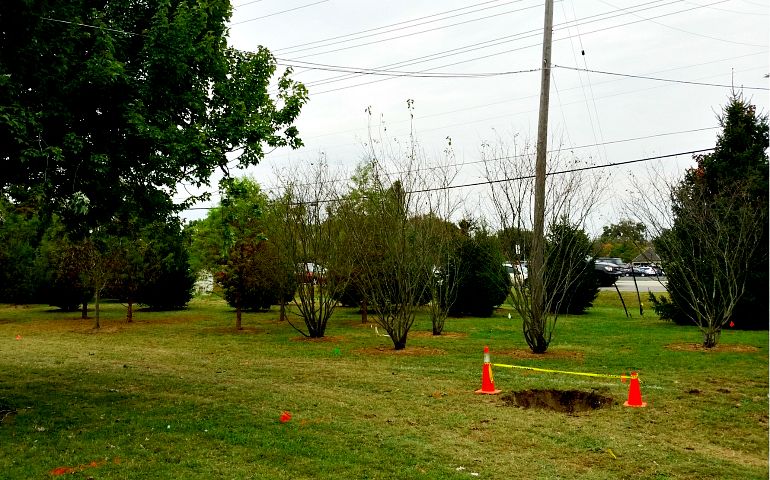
{"x":647,"y":257}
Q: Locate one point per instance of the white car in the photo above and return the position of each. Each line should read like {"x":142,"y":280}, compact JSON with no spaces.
{"x":518,"y":272}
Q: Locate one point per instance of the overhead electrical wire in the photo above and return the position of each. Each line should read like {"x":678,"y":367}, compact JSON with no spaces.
{"x":465,"y":22}
{"x":329,"y":39}
{"x":278,"y":13}
{"x":519,"y":178}
{"x":478,"y":46}
{"x":613,"y":14}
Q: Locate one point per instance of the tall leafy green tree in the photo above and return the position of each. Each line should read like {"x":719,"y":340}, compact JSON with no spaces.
{"x":241,"y":211}
{"x":625,"y":240}
{"x":108,"y":106}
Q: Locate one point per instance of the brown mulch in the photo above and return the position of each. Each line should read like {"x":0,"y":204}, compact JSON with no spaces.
{"x":697,"y":347}
{"x":406,"y":352}
{"x":527,"y":354}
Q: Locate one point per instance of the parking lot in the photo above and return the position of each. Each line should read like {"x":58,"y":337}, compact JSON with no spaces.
{"x":645,"y":284}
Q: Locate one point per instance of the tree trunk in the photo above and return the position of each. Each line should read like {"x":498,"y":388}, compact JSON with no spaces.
{"x":130,"y":312}
{"x":238,"y":325}
{"x":84,"y":311}
{"x":711,"y":337}
{"x":283,"y":311}
{"x":364,"y":311}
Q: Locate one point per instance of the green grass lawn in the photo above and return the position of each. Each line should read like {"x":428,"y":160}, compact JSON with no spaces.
{"x":183,"y":395}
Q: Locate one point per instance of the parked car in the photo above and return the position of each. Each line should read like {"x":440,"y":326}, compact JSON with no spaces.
{"x":621,"y":266}
{"x":518,"y":271}
{"x":647,"y":271}
{"x":607,"y":273}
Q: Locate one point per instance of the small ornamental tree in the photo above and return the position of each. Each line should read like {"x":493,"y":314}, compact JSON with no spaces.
{"x":263,"y":281}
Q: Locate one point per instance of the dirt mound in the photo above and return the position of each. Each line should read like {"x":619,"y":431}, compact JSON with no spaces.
{"x":566,"y":401}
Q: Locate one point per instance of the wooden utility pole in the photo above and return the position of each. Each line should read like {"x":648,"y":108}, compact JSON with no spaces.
{"x":538,"y":237}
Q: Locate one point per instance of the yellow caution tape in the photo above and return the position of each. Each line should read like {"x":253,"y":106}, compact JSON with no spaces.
{"x":621,"y":377}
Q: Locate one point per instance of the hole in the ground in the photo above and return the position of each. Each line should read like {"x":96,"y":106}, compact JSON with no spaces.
{"x":567,"y":401}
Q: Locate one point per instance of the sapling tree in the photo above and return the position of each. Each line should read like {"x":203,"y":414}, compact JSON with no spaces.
{"x":308,"y":240}
{"x":571,"y":194}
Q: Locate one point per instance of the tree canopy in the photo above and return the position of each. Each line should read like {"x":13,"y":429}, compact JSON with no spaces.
{"x":107,"y":106}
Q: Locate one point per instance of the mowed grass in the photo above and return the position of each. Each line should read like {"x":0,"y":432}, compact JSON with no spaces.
{"x":184,"y":395}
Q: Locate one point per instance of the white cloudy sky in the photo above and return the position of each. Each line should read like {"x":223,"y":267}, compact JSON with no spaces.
{"x":461,"y":42}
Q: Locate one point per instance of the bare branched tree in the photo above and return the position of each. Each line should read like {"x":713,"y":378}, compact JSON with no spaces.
{"x":706,"y":241}
{"x":571,"y":194}
{"x":395,"y":232}
{"x":309,"y":241}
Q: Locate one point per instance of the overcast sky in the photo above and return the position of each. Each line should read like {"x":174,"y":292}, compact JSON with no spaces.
{"x":471,"y":69}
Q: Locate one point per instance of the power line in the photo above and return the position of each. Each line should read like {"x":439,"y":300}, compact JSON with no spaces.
{"x":669,"y":80}
{"x":507,"y":179}
{"x":413,"y":33}
{"x":278,"y":13}
{"x":490,"y":43}
{"x":561,"y":172}
{"x":537,"y":31}
{"x":394,"y":73}
{"x":294,"y":47}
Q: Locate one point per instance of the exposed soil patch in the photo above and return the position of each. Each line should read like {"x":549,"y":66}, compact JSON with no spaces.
{"x":337,"y":339}
{"x":697,"y":347}
{"x":527,"y":354}
{"x":443,"y":335}
{"x":406,"y":352}
{"x":565,"y":401}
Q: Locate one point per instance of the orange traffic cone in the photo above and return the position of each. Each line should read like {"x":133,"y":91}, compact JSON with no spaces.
{"x":487,"y":380}
{"x":634,"y":393}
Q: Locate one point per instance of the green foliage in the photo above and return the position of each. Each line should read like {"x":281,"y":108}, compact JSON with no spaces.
{"x":254,"y":278}
{"x":20,"y":232}
{"x":625,"y":239}
{"x":483,"y":281}
{"x":570,"y":280}
{"x":167,"y":278}
{"x":738,"y":165}
{"x":108,"y":108}
{"x":63,"y":263}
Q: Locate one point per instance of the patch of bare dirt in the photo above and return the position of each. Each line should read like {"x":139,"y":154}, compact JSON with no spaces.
{"x":443,"y":335}
{"x":697,"y":347}
{"x":564,"y":401}
{"x":406,"y":352}
{"x":527,"y":354}
{"x":336,"y":339}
